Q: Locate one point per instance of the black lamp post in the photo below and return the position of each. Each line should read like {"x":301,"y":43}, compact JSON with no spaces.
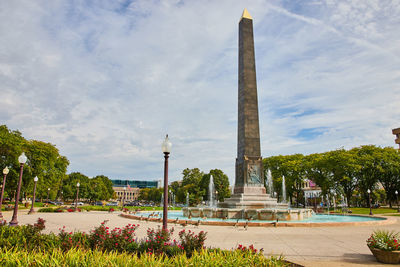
{"x":32,"y":210}
{"x":166,"y":149}
{"x":369,"y":200}
{"x":5,"y":172}
{"x":77,"y":194}
{"x":397,"y":198}
{"x":22,"y":160}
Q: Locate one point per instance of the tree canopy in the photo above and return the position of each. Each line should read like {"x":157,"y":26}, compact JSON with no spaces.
{"x":339,"y":171}
{"x":45,"y":162}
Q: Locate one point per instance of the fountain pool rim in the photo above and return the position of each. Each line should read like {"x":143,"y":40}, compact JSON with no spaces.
{"x":370,"y":220}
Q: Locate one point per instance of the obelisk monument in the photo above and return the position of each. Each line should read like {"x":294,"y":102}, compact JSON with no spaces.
{"x":249,"y":191}
{"x":249,"y":167}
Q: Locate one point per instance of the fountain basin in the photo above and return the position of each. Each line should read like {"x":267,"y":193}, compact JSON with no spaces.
{"x":316,"y":220}
{"x":267,"y":214}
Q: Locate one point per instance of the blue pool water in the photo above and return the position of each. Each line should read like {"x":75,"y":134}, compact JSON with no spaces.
{"x":316,"y":218}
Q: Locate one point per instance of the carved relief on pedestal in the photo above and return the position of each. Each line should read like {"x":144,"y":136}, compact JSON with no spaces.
{"x":253,"y":174}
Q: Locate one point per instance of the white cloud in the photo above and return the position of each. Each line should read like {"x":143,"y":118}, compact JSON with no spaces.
{"x":105,"y":82}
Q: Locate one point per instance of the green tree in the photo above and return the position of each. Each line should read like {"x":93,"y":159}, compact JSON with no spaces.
{"x":12,"y":144}
{"x":43,"y":161}
{"x":389,"y":176}
{"x":370,"y":169}
{"x":191,"y":181}
{"x":221,"y":184}
{"x":70,"y":186}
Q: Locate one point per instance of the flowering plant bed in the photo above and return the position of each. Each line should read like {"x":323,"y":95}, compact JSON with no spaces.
{"x":385,"y":246}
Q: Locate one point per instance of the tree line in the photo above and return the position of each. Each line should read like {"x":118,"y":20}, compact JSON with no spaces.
{"x":343,"y":172}
{"x":45,"y":162}
{"x":195,"y":183}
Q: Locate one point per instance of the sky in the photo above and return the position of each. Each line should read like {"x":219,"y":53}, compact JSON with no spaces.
{"x":105,"y":81}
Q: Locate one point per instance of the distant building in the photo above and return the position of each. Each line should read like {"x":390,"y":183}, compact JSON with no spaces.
{"x":396,"y":132}
{"x":311,"y":192}
{"x":132,"y":188}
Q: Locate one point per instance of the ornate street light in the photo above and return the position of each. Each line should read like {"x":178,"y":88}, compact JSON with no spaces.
{"x":22,"y":160}
{"x":369,"y":200}
{"x":123,"y":200}
{"x":32,"y":210}
{"x":5,"y":172}
{"x":77,"y":194}
{"x":397,"y":198}
{"x":166,"y":149}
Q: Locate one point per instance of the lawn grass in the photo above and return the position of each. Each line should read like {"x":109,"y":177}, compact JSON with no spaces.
{"x":365,"y":211}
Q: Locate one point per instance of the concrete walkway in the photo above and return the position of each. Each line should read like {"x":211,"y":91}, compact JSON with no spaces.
{"x":308,"y":246}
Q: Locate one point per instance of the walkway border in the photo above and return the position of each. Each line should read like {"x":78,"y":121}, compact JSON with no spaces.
{"x":384,"y":221}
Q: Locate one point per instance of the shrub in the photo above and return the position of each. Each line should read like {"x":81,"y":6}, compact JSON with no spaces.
{"x":39,"y":225}
{"x":384,"y":240}
{"x":103,"y":238}
{"x":72,"y":240}
{"x":158,"y":242}
{"x":191,"y":241}
{"x":249,"y":249}
{"x":46,"y":210}
{"x":73,"y":209}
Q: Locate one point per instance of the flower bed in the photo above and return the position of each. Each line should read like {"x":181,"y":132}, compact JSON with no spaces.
{"x":27,"y":245}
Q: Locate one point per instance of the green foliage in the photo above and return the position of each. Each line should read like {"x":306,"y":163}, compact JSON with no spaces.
{"x":46,"y":210}
{"x":191,"y":184}
{"x":158,"y":242}
{"x":151,"y":194}
{"x":79,"y":257}
{"x":45,"y":162}
{"x":190,"y":241}
{"x":221,"y":184}
{"x":384,"y":240}
{"x":93,"y":189}
{"x":341,"y":172}
{"x":365,"y":211}
{"x":118,"y":239}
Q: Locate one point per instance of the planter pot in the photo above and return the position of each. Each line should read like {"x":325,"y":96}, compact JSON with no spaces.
{"x":386,"y":256}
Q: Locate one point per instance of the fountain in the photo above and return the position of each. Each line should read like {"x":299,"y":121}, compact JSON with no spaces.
{"x":211,"y":189}
{"x":270,"y":183}
{"x":283,"y":189}
{"x":187,"y":199}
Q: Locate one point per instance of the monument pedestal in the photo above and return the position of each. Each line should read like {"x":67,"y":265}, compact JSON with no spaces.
{"x":249,"y":197}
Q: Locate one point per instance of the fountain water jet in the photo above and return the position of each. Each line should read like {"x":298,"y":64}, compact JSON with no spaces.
{"x":211,"y":189}
{"x":283,"y":189}
{"x":270,"y":183}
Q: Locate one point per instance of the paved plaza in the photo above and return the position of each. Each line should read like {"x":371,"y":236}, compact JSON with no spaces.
{"x":309,"y":246}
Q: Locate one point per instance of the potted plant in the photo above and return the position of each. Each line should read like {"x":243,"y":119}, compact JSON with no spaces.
{"x":385,"y":245}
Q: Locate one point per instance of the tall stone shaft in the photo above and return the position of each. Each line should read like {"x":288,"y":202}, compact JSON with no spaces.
{"x":249,"y":166}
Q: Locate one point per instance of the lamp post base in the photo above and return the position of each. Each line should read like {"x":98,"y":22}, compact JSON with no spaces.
{"x":31,"y":211}
{"x":13,"y":223}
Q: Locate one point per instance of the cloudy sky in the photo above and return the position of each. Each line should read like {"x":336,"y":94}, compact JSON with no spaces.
{"x":106,"y":80}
